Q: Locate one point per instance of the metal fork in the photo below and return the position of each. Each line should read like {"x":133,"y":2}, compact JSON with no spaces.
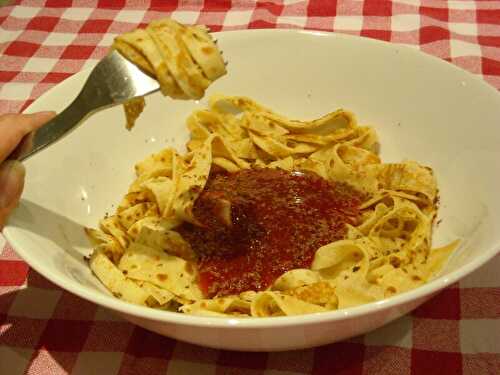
{"x":114,"y":80}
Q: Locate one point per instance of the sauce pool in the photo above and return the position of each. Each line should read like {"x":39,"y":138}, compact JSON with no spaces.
{"x":277,"y":220}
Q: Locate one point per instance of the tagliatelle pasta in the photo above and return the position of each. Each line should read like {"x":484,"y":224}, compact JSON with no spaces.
{"x":184,"y":59}
{"x":266,"y":216}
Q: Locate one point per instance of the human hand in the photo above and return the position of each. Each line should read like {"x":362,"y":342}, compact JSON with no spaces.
{"x":13,"y":128}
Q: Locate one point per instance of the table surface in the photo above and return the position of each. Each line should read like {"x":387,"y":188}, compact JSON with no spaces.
{"x":45,"y":330}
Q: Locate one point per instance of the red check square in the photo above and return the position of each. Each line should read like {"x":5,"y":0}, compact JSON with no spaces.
{"x":210,"y":5}
{"x":431,"y":34}
{"x":148,"y":344}
{"x":320,"y":8}
{"x":446,"y":305}
{"x":95,"y":26}
{"x":112,"y":4}
{"x":77,"y":52}
{"x":490,"y":66}
{"x":132,"y":366}
{"x":58,"y":3}
{"x":215,"y":27}
{"x":242,"y":360}
{"x":493,"y":41}
{"x":488,"y":16}
{"x":257,"y":24}
{"x":54,"y":77}
{"x":435,"y":363}
{"x":377,"y":8}
{"x":42,"y":23}
{"x":7,"y":76}
{"x":71,"y":335}
{"x":23,"y":49}
{"x":340,"y":358}
{"x":14,"y":272}
{"x":436,"y":13}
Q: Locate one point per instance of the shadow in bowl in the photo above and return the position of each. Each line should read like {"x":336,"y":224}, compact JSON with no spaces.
{"x":64,"y":232}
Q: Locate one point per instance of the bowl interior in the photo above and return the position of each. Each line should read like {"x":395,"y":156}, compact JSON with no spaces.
{"x":423,"y":109}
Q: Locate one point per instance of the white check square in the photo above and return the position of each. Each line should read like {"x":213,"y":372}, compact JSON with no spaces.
{"x":107,"y":39}
{"x":397,"y":333}
{"x":405,"y":22}
{"x":98,"y":363}
{"x":460,"y":48}
{"x":238,"y":17}
{"x":480,"y":336}
{"x":177,"y":366}
{"x":296,"y":21}
{"x":77,"y":14}
{"x":24,"y":12}
{"x":14,"y":361}
{"x":463,"y":28}
{"x":35,"y":303}
{"x":462,"y":5}
{"x":348,"y":23}
{"x":89,"y":64}
{"x":39,"y":65}
{"x":133,"y":16}
{"x":106,"y":315}
{"x":485,"y":277}
{"x":9,"y":35}
{"x":185,"y":17}
{"x":59,"y":39}
{"x":16,"y":91}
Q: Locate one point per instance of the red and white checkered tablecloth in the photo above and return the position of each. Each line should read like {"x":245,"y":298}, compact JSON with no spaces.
{"x":45,"y":330}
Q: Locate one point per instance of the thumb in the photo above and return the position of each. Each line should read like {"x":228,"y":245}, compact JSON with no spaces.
{"x":12,"y":174}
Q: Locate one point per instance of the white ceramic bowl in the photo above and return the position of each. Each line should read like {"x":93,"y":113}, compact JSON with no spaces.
{"x":423,"y":109}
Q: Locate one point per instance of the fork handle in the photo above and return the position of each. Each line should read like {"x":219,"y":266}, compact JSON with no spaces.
{"x":59,"y":126}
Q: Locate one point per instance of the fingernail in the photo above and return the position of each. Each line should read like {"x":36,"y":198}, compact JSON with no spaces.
{"x":12,"y":174}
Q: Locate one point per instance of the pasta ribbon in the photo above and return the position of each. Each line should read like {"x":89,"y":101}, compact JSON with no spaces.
{"x":141,"y":256}
{"x":184,"y":59}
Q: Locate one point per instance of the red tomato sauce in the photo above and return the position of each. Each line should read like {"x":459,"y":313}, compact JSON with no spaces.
{"x":278,"y":220}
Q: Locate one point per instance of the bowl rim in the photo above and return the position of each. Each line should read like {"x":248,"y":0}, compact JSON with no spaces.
{"x":127,"y":308}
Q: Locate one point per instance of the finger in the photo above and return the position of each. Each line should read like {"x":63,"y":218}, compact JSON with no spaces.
{"x":14,"y":127}
{"x":12,"y":175}
{"x":24,"y":147}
